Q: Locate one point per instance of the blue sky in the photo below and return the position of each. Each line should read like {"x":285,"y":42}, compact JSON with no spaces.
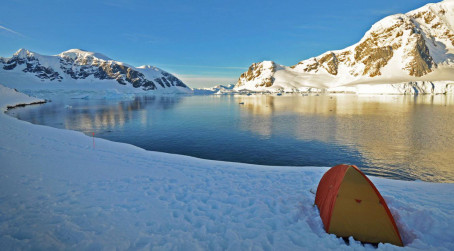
{"x":204,"y":42}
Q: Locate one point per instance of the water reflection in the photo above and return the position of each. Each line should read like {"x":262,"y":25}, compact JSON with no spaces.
{"x":99,"y":115}
{"x":407,"y":135}
{"x":339,"y":104}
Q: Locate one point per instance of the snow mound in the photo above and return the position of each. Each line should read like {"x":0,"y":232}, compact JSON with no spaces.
{"x":11,"y":98}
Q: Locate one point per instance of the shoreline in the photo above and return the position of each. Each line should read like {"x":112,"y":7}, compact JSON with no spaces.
{"x":58,"y":192}
{"x":10,"y":107}
{"x":104,"y":130}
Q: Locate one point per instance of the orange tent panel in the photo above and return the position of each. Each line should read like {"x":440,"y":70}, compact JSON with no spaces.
{"x":350,"y":205}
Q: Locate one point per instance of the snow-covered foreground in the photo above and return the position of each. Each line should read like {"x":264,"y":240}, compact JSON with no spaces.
{"x":57,"y":191}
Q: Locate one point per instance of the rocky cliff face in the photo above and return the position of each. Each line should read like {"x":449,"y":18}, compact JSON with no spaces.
{"x":31,"y":65}
{"x":261,"y":73}
{"x":397,"y":49}
{"x":82,"y":65}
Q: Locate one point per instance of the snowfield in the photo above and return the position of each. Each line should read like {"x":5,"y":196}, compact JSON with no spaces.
{"x":59,"y":191}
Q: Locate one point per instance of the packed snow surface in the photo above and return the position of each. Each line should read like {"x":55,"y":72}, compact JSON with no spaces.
{"x":62,"y":189}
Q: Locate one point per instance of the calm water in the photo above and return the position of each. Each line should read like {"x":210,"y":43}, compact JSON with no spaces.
{"x":401,"y":137}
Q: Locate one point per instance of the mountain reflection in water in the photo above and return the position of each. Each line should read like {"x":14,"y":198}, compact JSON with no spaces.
{"x":412,"y":135}
{"x":404,"y":137}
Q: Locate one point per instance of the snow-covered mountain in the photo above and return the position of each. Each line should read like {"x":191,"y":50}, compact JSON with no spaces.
{"x":402,"y":53}
{"x":218,"y":89}
{"x":79,"y":66}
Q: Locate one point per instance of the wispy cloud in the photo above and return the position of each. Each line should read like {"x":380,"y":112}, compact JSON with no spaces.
{"x":11,"y":31}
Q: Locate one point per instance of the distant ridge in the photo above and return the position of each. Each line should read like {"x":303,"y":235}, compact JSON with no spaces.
{"x":82,"y":66}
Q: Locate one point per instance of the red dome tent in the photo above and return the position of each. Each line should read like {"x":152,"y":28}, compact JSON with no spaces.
{"x":350,"y":205}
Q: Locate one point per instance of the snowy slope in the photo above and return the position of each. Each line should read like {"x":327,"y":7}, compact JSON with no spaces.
{"x":81,"y":69}
{"x":59,"y":191}
{"x":218,"y":89}
{"x":404,"y":53}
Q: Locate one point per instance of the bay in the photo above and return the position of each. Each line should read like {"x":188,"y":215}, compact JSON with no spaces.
{"x":394,"y":136}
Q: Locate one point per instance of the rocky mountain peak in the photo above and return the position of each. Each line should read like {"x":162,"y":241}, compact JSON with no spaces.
{"x":22,"y":53}
{"x":81,"y":65}
{"x":402,"y":46}
{"x":261,"y":73}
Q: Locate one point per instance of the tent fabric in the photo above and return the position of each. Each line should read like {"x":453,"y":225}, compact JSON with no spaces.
{"x":326,"y":193}
{"x":350,"y":205}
